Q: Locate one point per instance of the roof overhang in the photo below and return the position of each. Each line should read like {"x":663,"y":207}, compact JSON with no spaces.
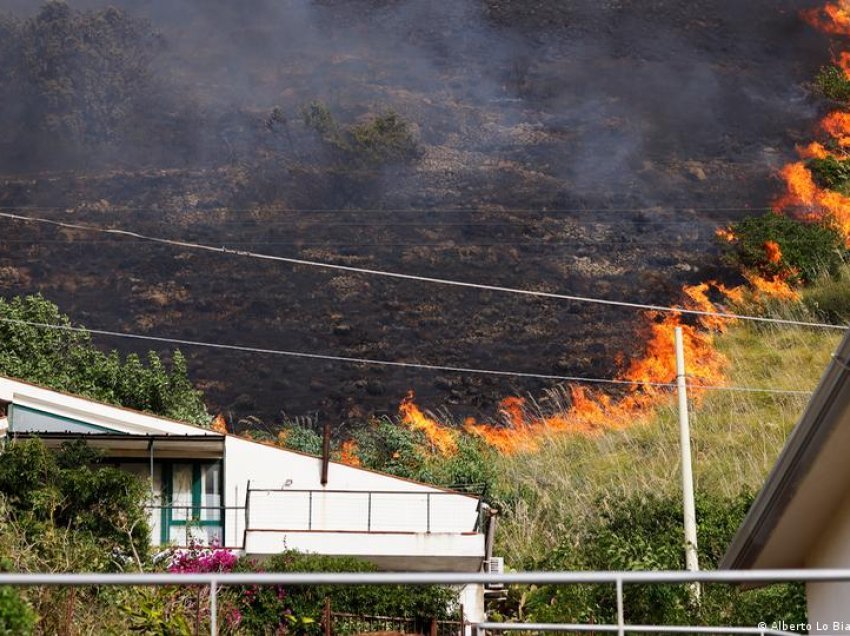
{"x":810,"y":479}
{"x":118,"y":446}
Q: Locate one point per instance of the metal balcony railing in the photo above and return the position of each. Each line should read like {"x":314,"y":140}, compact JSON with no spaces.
{"x":370,"y":511}
{"x":618,"y":579}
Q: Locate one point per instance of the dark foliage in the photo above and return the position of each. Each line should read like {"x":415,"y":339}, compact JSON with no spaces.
{"x":385,"y":600}
{"x":84,"y":90}
{"x":831,"y":173}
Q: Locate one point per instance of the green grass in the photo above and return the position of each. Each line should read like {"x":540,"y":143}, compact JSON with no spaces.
{"x":736,"y":438}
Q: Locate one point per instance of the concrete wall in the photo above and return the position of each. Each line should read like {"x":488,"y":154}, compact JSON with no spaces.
{"x":334,"y":522}
{"x":829,"y":603}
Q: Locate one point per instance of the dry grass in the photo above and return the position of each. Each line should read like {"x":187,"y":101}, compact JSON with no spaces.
{"x":736,"y":439}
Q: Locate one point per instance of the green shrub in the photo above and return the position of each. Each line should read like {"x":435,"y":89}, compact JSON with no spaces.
{"x":383,"y":139}
{"x":832,"y":83}
{"x":68,"y":489}
{"x":386,"y":138}
{"x":645,"y":533}
{"x":389,"y":447}
{"x":16,"y":616}
{"x":808,"y":249}
{"x":384,"y":600}
{"x":68,"y":361}
{"x":831,"y":173}
{"x":301,"y":439}
{"x":829,"y":297}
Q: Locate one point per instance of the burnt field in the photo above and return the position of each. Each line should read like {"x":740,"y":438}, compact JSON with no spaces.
{"x":587,"y":148}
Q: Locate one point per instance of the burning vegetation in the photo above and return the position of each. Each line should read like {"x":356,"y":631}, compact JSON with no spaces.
{"x":811,"y":219}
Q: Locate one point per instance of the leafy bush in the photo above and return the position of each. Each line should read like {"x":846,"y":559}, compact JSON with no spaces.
{"x":831,"y":173}
{"x":808,"y":249}
{"x":645,"y":533}
{"x":832,"y":83}
{"x":68,"y":361}
{"x":16,"y":616}
{"x":301,"y":439}
{"x":385,"y":600}
{"x":382,"y":139}
{"x":68,"y":489}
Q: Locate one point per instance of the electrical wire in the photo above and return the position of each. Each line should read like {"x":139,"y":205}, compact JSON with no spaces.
{"x":390,"y":363}
{"x":414,"y":277}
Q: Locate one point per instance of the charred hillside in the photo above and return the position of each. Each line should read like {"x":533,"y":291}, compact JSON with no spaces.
{"x":588,"y":147}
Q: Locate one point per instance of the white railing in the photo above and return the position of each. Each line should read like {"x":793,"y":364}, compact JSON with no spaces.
{"x":409,"y":512}
{"x":618,"y":579}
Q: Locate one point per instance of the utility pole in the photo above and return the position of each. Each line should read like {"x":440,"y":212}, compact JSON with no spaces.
{"x":691,"y":559}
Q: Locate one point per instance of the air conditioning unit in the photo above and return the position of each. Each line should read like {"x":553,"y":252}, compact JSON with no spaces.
{"x":495,"y":565}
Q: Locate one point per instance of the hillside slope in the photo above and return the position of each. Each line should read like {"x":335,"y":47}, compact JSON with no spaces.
{"x":736,"y":438}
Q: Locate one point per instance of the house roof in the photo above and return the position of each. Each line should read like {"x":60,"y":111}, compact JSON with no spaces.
{"x":810,"y":478}
{"x":110,"y":418}
{"x":122,"y":424}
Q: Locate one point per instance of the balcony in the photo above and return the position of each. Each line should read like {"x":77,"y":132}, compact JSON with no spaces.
{"x":418,"y":530}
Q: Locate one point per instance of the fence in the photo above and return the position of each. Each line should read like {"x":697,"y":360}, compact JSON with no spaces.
{"x":617,"y":579}
{"x":346,"y":623}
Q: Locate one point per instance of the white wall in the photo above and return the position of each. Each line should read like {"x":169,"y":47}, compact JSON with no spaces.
{"x":420,"y":509}
{"x":829,"y":603}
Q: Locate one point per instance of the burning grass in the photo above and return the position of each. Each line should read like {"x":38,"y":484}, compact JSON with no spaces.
{"x":736,"y":439}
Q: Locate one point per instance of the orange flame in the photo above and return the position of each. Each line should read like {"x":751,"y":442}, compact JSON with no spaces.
{"x":834,"y":18}
{"x":820,"y":205}
{"x":219,"y":424}
{"x":725,"y":234}
{"x":773,"y":252}
{"x":837,"y":125}
{"x":814,"y":150}
{"x":442,"y":438}
{"x":649,"y":379}
{"x":348,"y":453}
{"x":774,"y":287}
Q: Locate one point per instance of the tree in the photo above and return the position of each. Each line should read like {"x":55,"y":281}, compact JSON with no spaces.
{"x":66,"y":360}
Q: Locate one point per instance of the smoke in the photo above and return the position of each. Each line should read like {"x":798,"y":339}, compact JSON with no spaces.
{"x":607,"y":86}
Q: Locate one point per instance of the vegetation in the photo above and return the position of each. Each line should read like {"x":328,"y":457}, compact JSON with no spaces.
{"x":71,"y":489}
{"x":644,"y":532}
{"x":808,"y":250}
{"x":66,"y":512}
{"x":382,"y":139}
{"x":831,"y":173}
{"x":829,"y":298}
{"x":736,"y":438}
{"x":79,"y":78}
{"x":832,"y":83}
{"x":67,"y":360}
{"x":383,"y":600}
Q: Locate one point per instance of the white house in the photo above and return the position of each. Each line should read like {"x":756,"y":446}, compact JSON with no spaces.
{"x":801,"y":517}
{"x":259,"y":499}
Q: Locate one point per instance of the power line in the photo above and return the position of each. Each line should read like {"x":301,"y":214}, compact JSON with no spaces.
{"x":390,"y":363}
{"x":424,"y":279}
{"x":495,"y":210}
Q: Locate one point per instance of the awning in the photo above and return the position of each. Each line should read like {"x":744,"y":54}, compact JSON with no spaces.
{"x":119,"y":445}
